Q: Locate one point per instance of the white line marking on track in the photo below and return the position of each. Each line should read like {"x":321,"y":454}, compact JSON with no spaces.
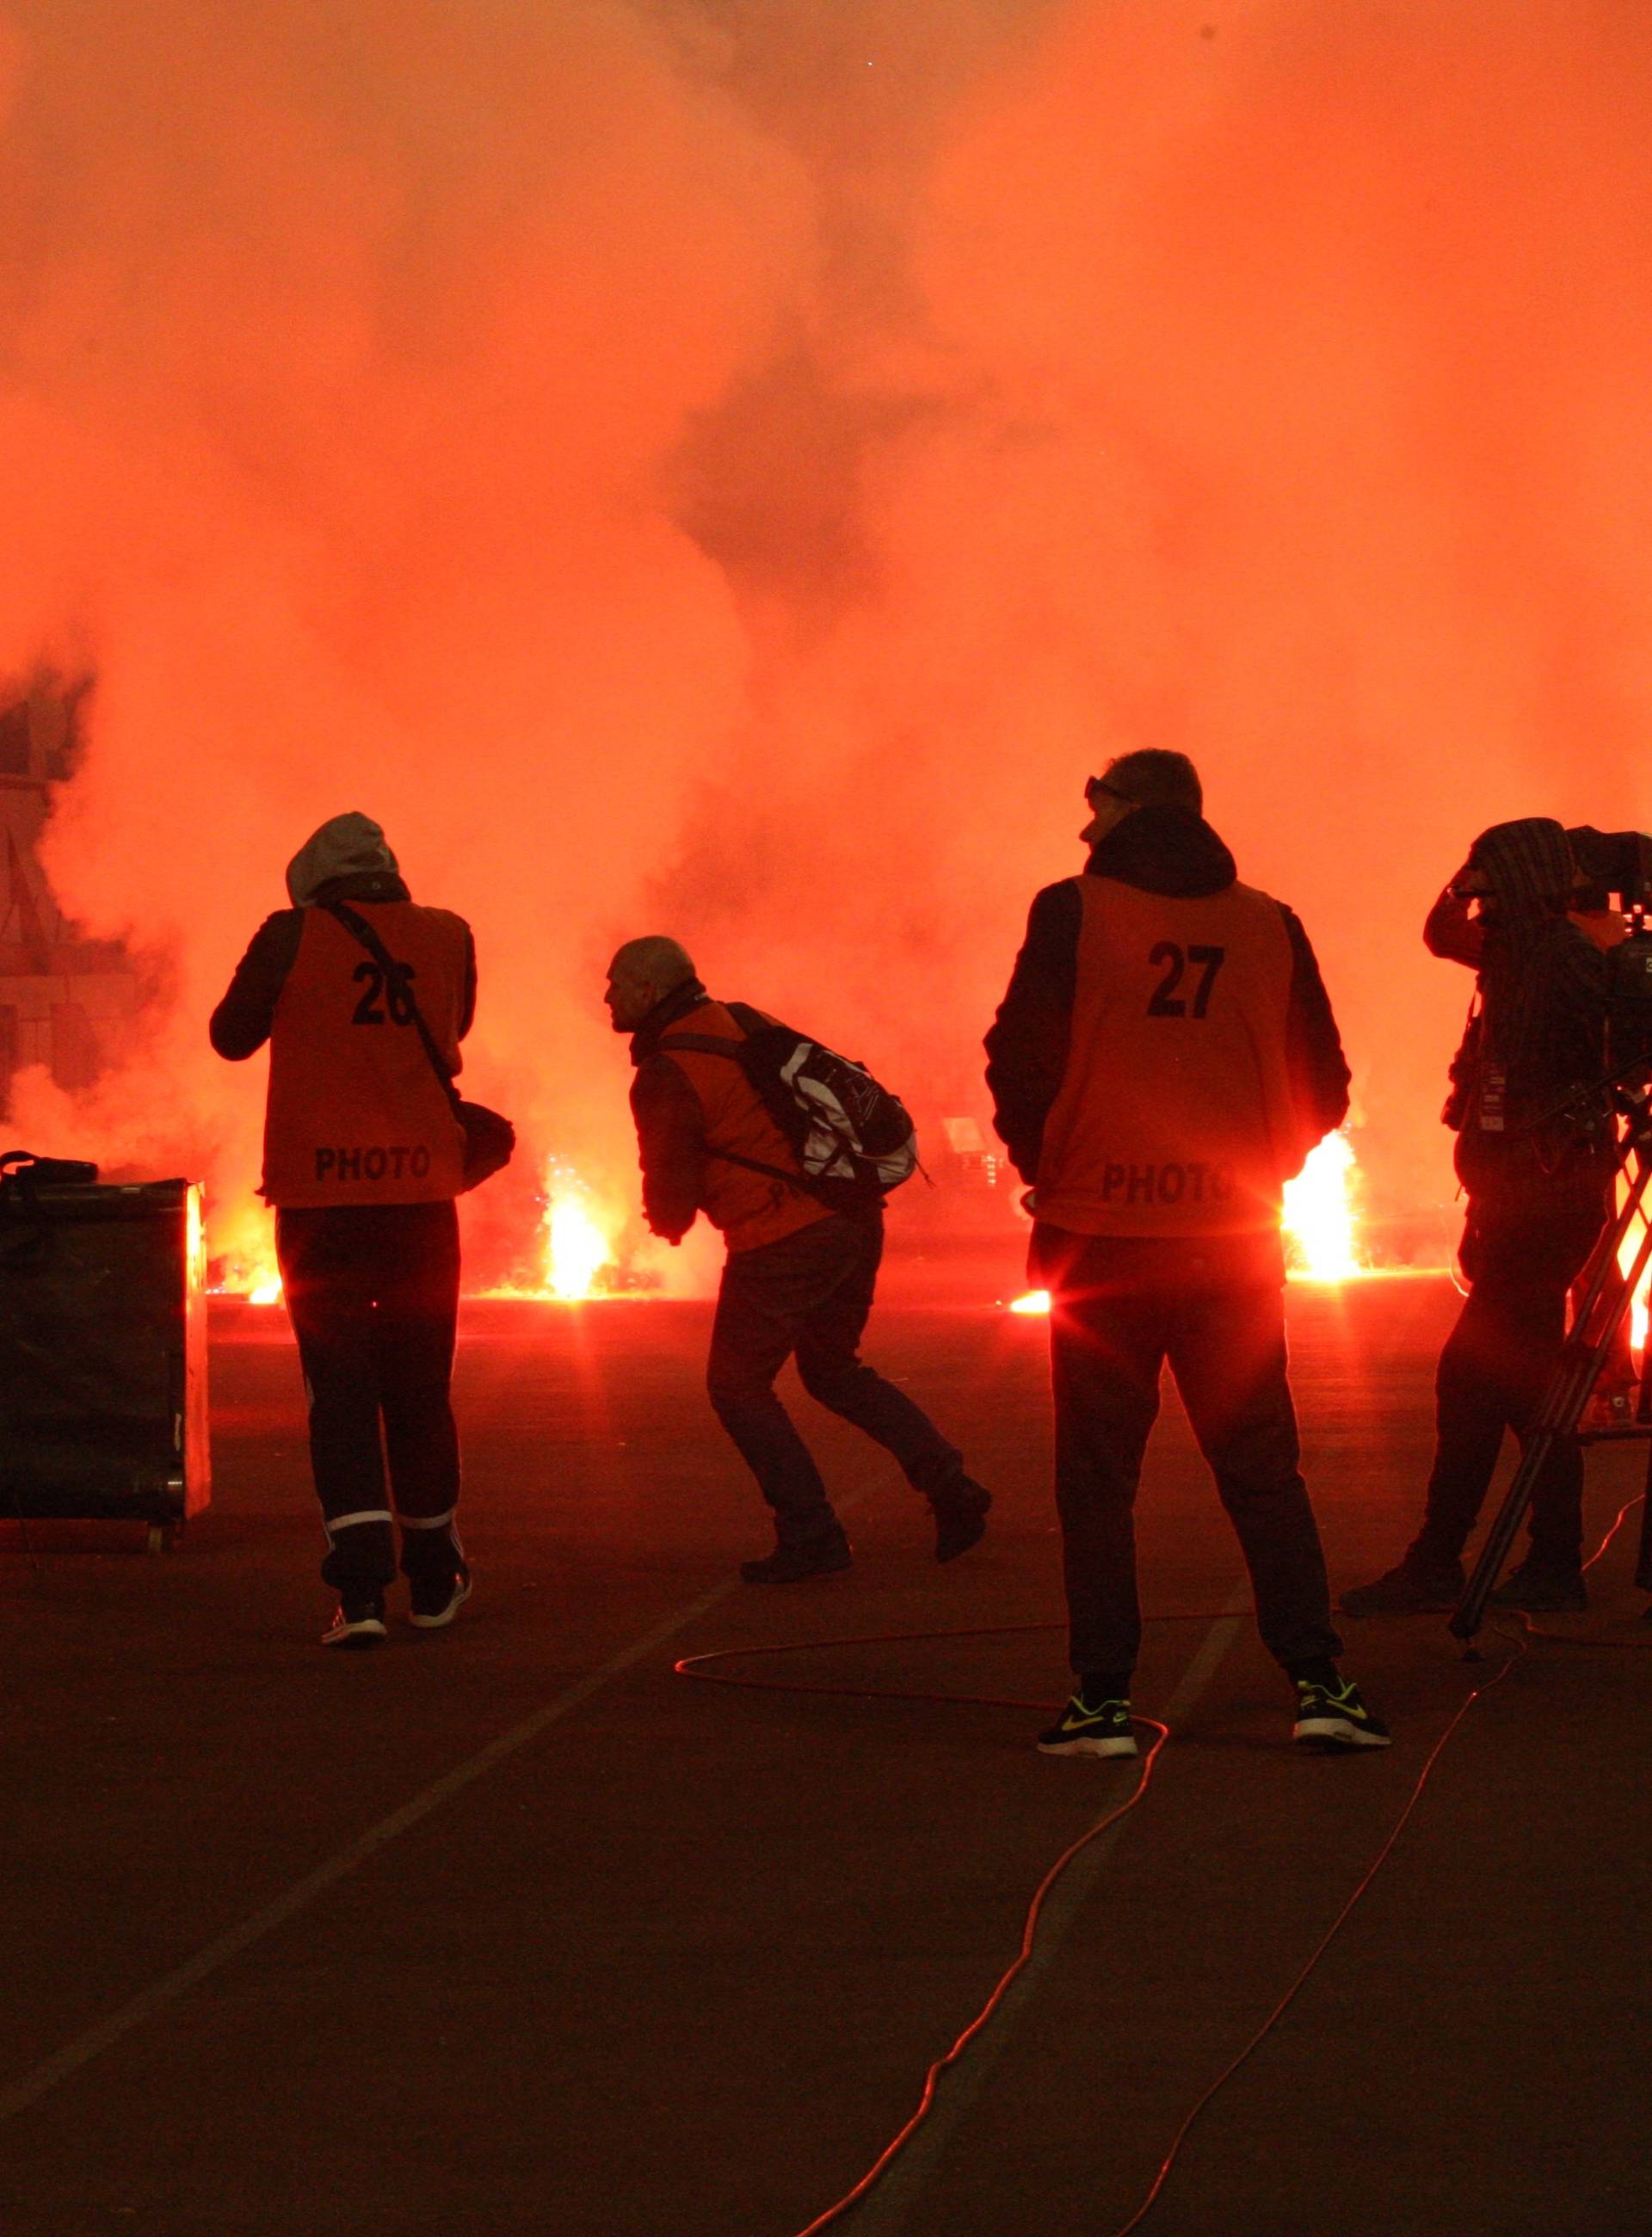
{"x":107,"y":2032}
{"x":886,"y":2209}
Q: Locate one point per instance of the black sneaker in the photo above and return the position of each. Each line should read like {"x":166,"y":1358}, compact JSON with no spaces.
{"x":435,"y":1604}
{"x":1335,"y":1716}
{"x":794,"y":1565}
{"x":1085,"y":1728}
{"x":960,"y":1517}
{"x":1413,"y":1588}
{"x":1542,"y":1591}
{"x":357,"y":1622}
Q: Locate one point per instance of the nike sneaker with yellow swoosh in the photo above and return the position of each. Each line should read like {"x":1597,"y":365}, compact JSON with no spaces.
{"x":1335,"y":1716}
{"x":1091,"y":1728}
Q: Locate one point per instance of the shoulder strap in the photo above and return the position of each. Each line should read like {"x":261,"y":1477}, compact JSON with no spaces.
{"x":699,"y":1045}
{"x":800,"y":1182}
{"x":396,"y":978}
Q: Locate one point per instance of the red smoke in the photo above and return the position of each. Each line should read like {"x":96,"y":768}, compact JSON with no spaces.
{"x":732,"y":467}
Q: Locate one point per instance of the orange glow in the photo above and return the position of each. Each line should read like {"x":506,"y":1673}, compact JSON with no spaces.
{"x":1432,"y":342}
{"x":575,"y":1250}
{"x":1638,"y":1305}
{"x":575,"y":1247}
{"x":245,"y":1249}
{"x":1035,"y":1301}
{"x":195,"y":1241}
{"x":1319,"y":1218}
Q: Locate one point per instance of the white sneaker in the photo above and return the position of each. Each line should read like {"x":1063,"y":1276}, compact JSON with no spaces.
{"x":430,"y":1608}
{"x":357,"y":1623}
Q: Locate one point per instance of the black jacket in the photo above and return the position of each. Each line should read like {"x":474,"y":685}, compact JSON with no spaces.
{"x":1158,"y":850}
{"x":240,"y":1024}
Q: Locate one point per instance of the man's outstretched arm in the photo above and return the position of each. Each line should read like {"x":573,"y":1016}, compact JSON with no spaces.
{"x":1450,"y":932}
{"x":242,"y":1022}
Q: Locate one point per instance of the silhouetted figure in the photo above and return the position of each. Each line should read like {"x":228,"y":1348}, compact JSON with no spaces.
{"x":799,"y":1276}
{"x":1163,"y":1061}
{"x":1538,"y":1197}
{"x":363,"y":1159}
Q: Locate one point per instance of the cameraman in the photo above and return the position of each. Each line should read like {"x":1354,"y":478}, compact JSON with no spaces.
{"x":1539,"y":1194}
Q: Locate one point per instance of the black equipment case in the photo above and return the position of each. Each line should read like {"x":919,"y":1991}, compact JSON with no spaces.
{"x":103,"y":1354}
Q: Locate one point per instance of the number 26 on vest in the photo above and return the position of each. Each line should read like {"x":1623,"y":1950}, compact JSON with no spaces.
{"x":1165,"y":1001}
{"x":367,"y":1012}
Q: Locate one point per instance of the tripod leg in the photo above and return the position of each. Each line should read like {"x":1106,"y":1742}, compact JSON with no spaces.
{"x":1581,"y":1361}
{"x":1469,"y":1612}
{"x":1606,"y":1301}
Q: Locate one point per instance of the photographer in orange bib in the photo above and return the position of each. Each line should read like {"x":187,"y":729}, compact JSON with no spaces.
{"x":1163,"y":1061}
{"x":363,"y":1157}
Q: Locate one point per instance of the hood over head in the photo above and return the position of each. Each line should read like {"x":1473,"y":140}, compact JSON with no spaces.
{"x":1165,"y":850}
{"x":350,"y":846}
{"x":1528,"y":863}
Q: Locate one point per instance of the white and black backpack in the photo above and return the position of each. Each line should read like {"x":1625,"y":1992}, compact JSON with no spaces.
{"x":854,"y":1140}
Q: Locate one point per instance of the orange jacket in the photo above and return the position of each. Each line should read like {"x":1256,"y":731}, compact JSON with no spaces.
{"x":689,"y":1106}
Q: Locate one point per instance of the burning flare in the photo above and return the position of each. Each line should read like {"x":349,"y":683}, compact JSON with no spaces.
{"x":245,"y":1256}
{"x":575,"y":1250}
{"x":1638,"y":1303}
{"x":1319,"y":1215}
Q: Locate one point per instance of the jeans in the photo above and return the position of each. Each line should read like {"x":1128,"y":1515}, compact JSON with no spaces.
{"x":373,"y":1292}
{"x":1521,"y":1255}
{"x":810,"y":1293}
{"x":1120,"y":1307}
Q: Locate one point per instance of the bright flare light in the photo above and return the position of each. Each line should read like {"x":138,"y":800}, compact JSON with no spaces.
{"x":1035,"y":1301}
{"x":1318,"y":1215}
{"x":1638,"y":1312}
{"x":268,"y":1292}
{"x":576,"y":1247}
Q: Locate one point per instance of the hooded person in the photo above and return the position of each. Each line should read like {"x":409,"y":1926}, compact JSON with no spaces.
{"x":1538,"y":1192}
{"x":363,"y":1159}
{"x":1163,"y":1061}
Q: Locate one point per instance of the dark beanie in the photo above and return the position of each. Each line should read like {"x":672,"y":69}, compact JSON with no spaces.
{"x":1527,"y":863}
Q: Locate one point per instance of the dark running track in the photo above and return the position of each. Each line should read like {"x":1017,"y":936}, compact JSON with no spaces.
{"x":652,"y":1959}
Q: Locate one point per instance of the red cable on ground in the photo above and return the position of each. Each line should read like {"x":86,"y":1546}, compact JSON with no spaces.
{"x":1005,"y":1982}
{"x":1587,"y":1638}
{"x":692,"y":1666}
{"x":1337,"y":1924}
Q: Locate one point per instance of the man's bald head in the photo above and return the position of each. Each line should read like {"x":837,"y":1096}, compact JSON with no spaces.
{"x":642,"y":975}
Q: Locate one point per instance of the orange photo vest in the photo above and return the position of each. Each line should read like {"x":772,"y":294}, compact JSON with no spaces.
{"x":1175,"y":1115}
{"x":751,"y":1209}
{"x":355,"y":1114}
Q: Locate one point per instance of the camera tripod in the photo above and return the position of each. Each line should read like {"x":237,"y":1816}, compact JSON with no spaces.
{"x":1608,"y":1290}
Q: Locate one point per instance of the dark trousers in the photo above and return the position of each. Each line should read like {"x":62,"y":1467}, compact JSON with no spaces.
{"x":372,"y":1291}
{"x":811,"y":1294}
{"x":1521,"y":1255}
{"x":1119,"y":1308}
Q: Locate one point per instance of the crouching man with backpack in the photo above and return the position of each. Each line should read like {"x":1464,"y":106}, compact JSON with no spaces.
{"x":788,"y":1150}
